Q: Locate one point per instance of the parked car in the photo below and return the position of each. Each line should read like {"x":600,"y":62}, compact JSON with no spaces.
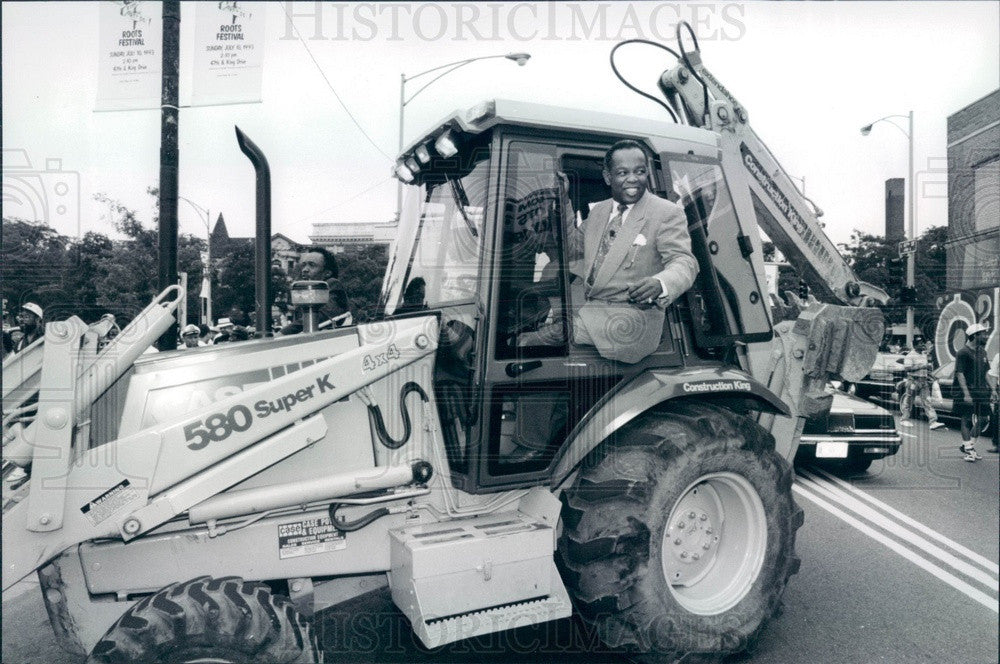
{"x":880,"y":383}
{"x":853,"y":435}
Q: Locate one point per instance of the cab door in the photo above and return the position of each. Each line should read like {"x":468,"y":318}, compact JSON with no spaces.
{"x":535,"y":386}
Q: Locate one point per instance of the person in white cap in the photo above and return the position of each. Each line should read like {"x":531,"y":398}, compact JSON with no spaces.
{"x":972,"y":400}
{"x":189,"y":337}
{"x":224,"y":327}
{"x":30,"y":319}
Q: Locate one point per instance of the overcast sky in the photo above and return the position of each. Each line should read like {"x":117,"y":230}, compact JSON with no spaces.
{"x":810,"y":74}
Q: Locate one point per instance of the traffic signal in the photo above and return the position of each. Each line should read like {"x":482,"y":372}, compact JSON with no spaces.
{"x":908,"y":296}
{"x":803,"y":289}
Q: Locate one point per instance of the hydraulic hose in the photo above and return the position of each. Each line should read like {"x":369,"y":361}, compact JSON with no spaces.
{"x":376,"y":414}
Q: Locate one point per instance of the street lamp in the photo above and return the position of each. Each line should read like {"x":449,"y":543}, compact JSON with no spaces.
{"x":207,"y":278}
{"x":910,"y":209}
{"x":519,"y":58}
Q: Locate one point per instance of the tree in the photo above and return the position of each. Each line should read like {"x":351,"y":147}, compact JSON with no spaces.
{"x":361,"y":272}
{"x":237,"y":280}
{"x":32,"y":262}
{"x":877,"y":261}
{"x":89,"y":258}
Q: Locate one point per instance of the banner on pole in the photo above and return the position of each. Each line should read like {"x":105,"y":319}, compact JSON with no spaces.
{"x":130,"y":54}
{"x":228,"y":53}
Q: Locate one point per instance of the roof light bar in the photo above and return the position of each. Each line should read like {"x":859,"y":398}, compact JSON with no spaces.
{"x":445,"y":145}
{"x":403,"y":173}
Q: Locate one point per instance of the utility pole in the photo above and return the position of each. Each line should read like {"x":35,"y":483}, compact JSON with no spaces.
{"x":912,"y":209}
{"x":169,"y":119}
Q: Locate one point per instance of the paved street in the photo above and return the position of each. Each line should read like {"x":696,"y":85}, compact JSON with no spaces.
{"x":899,"y":565}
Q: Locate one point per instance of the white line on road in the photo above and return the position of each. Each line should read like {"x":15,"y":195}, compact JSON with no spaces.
{"x":926,"y":565}
{"x":982,"y":561}
{"x":843,"y":499}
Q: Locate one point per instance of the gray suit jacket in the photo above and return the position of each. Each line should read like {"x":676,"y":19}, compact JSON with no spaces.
{"x":653,"y":242}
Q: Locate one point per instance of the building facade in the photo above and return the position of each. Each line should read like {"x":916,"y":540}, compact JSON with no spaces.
{"x":973,"y":247}
{"x":974,"y":195}
{"x":338,"y":236}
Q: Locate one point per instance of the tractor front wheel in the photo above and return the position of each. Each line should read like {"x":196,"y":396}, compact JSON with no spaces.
{"x":679,"y":535}
{"x":226,"y":620}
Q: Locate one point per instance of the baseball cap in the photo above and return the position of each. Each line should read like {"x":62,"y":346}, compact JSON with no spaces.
{"x":976,"y":328}
{"x":190,"y":329}
{"x":33,"y":308}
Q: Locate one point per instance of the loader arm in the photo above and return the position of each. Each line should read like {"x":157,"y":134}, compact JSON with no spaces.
{"x":783,"y":212}
{"x":162,"y":471}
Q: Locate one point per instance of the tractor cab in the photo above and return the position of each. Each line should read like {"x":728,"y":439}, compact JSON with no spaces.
{"x":490,"y":195}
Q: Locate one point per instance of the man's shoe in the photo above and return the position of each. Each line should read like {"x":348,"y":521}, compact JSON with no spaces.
{"x":993,"y":450}
{"x":970,"y":453}
{"x":937,"y":425}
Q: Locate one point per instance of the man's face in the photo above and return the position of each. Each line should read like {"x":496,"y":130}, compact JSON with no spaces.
{"x":27,"y":320}
{"x":190,"y":340}
{"x":979,"y":340}
{"x":628,"y":176}
{"x":312,"y":267}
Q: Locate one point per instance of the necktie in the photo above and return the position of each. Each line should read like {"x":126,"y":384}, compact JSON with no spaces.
{"x":612,"y":229}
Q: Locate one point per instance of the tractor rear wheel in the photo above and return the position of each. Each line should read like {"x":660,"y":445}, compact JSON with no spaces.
{"x":679,"y":535}
{"x":210,"y":620}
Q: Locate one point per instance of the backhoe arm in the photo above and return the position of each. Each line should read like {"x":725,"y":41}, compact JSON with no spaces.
{"x":788,"y":218}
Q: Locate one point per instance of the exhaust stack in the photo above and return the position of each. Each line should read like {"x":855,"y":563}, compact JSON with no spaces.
{"x":263,"y":296}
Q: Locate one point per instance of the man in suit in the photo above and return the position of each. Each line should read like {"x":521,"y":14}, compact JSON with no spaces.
{"x":636,"y":260}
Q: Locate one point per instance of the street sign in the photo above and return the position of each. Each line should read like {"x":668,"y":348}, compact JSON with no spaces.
{"x":907,"y":247}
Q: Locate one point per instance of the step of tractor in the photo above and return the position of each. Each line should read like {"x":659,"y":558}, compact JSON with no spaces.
{"x":459,"y":579}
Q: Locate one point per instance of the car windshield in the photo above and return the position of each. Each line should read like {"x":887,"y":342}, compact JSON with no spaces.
{"x":440,"y":233}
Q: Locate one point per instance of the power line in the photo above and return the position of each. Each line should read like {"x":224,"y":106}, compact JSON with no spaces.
{"x":345,"y":201}
{"x":291,"y":22}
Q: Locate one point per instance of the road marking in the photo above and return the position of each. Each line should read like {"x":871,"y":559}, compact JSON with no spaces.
{"x":982,"y":561}
{"x":952,"y":580}
{"x":844,"y":500}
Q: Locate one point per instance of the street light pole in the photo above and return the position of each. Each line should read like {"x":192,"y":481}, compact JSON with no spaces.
{"x":399,"y":150}
{"x":208,"y":251}
{"x":519,"y":58}
{"x":911,"y":210}
{"x":911,"y":255}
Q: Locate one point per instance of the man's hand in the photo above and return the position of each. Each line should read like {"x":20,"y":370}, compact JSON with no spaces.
{"x":967,"y":398}
{"x":645,"y":291}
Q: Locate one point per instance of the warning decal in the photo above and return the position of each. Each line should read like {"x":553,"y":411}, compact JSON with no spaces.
{"x":308,"y":537}
{"x":109,"y":502}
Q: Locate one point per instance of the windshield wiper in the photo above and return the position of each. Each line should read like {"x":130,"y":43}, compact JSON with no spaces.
{"x":461,"y":200}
